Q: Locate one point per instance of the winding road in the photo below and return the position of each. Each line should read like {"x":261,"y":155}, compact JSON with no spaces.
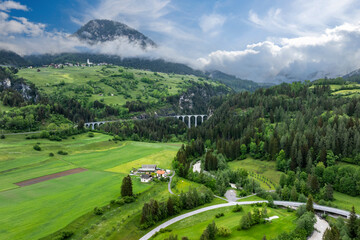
{"x":229,"y":204}
{"x":169,"y":184}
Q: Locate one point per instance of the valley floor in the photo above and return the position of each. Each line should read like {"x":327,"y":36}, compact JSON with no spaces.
{"x":37,"y":210}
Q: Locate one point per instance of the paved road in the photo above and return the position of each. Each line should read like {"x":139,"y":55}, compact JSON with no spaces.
{"x":320,"y":228}
{"x":279,"y":203}
{"x":316,"y":207}
{"x":197,"y":167}
{"x":169,"y":184}
{"x":178,"y":218}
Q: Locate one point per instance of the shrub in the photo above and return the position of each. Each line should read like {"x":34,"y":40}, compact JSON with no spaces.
{"x":237,"y":208}
{"x":44,"y":134}
{"x":65,"y":235}
{"x":128,"y":199}
{"x":98,"y":211}
{"x":224,"y":231}
{"x":55,"y":138}
{"x":219,"y":215}
{"x":37,"y":147}
{"x":245,"y":222}
{"x":51,"y":154}
{"x":61,"y":152}
{"x":90,"y":134}
{"x":86,"y":231}
{"x":301,"y":210}
{"x":120,"y":202}
{"x":306,"y":222}
{"x":2,"y":136}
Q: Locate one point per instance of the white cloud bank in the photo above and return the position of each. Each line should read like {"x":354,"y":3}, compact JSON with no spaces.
{"x":333,"y":53}
{"x":312,"y":48}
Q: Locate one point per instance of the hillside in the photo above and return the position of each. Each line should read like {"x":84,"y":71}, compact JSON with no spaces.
{"x":155,"y":65}
{"x":106,"y":30}
{"x":235,"y":83}
{"x":9,"y":58}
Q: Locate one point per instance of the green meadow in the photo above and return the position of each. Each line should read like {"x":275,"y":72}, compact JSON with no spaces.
{"x":109,"y":84}
{"x":265,"y":168}
{"x":192,"y":227}
{"x":37,"y":210}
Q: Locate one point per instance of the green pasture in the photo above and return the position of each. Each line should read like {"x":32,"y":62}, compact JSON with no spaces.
{"x":192,"y":227}
{"x":183,"y":185}
{"x":265,"y":168}
{"x":66,"y":80}
{"x":37,"y":210}
{"x":121,"y":223}
{"x":347,"y":92}
{"x":252,"y":198}
{"x":344,"y":201}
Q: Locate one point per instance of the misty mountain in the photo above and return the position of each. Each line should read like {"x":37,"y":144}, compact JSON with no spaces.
{"x":155,"y":65}
{"x":355,"y":73}
{"x":8,"y":58}
{"x":235,"y":83}
{"x":96,"y":31}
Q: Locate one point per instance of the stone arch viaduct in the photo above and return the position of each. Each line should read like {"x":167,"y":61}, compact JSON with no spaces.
{"x":198,"y":118}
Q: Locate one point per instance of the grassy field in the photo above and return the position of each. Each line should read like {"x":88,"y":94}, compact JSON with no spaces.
{"x":37,"y":210}
{"x":182,"y":184}
{"x":121,"y":223}
{"x":94,"y":83}
{"x":344,"y":201}
{"x":252,"y":198}
{"x":192,"y":227}
{"x":265,"y":168}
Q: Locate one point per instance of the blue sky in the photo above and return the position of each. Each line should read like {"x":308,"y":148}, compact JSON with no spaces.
{"x":261,"y":40}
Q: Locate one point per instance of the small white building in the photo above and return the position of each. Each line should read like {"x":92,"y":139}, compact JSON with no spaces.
{"x":145,"y":178}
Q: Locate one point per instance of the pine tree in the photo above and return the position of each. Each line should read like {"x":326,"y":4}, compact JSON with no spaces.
{"x":352,"y":225}
{"x":293,"y":194}
{"x":170,"y":207}
{"x":331,"y":234}
{"x":310,"y":204}
{"x":126,"y":187}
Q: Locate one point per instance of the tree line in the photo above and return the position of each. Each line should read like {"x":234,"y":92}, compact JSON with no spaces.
{"x":154,"y":211}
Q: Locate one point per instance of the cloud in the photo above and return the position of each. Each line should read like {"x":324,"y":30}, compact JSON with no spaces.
{"x":334,"y":52}
{"x":17,"y":25}
{"x":9,"y":5}
{"x":212,"y":23}
{"x":306,"y":17}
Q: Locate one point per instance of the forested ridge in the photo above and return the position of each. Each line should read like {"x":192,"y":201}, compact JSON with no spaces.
{"x":302,"y":127}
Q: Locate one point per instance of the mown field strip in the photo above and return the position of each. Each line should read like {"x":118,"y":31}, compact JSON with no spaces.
{"x":49,"y":177}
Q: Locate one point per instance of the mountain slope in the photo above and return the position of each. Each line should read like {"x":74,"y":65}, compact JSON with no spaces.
{"x":235,"y":83}
{"x":10,"y":58}
{"x":156,"y":65}
{"x":105,"y":30}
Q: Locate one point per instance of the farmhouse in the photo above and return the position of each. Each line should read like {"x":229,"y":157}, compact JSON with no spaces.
{"x":145,"y":178}
{"x":160,"y":173}
{"x":147,"y":168}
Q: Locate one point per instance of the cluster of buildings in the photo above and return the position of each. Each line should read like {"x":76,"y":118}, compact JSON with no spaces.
{"x":87,"y":64}
{"x":148,"y":172}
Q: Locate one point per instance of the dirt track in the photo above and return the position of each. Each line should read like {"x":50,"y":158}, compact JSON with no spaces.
{"x":49,"y":177}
